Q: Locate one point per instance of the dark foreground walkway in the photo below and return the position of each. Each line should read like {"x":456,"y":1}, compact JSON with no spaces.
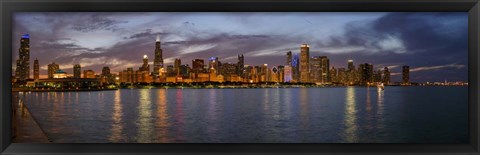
{"x":25,"y":128}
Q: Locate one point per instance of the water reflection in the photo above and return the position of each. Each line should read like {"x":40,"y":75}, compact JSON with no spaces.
{"x":117,"y":125}
{"x":350,"y":118}
{"x":179,"y":116}
{"x":380,"y":108}
{"x":144,"y":121}
{"x":304,"y":121}
{"x":162,"y":115}
{"x":212,"y":113}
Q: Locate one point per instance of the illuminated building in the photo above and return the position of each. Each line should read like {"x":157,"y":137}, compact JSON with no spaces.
{"x":213,"y":74}
{"x":106,"y":76}
{"x":158,"y":60}
{"x":59,"y":74}
{"x":240,"y":65}
{"x":88,"y":74}
{"x":274,"y":74}
{"x":319,"y":69}
{"x":366,"y":73}
{"x":350,"y":65}
{"x":184,"y":70}
{"x":377,"y":76}
{"x":333,"y":75}
{"x":77,"y":71}
{"x":52,"y":68}
{"x":177,"y":63}
{"x":386,"y":75}
{"x":315,"y":69}
{"x":351,"y":77}
{"x":106,"y":71}
{"x":406,"y":75}
{"x":281,"y":73}
{"x":145,"y":66}
{"x":342,"y":76}
{"x":325,"y":66}
{"x":127,"y":76}
{"x":287,"y":74}
{"x":214,"y":63}
{"x":228,"y":70}
{"x":142,"y":76}
{"x":171,"y":71}
{"x":197,"y":66}
{"x":304,"y":63}
{"x":296,"y":68}
{"x":22,"y":71}
{"x":67,"y":83}
{"x":36,"y":70}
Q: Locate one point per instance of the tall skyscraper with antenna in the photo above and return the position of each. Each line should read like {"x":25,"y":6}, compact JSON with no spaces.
{"x":22,"y":71}
{"x":158,"y":60}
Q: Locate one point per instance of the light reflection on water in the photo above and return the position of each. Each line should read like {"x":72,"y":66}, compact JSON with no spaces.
{"x":162,"y":115}
{"x":350,"y":118}
{"x":314,"y":115}
{"x":117,"y":126}
{"x":145,"y":120}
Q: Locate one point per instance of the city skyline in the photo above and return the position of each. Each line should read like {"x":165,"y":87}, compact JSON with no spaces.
{"x":451,"y":65}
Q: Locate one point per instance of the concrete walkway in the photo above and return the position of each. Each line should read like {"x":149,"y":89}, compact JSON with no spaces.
{"x":25,"y":128}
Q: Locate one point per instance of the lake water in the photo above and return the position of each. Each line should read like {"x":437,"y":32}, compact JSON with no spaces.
{"x":273,"y":115}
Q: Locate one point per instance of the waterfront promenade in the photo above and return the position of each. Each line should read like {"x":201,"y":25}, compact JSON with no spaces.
{"x":25,"y":127}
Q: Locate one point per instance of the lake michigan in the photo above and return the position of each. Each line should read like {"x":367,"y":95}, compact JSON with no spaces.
{"x":413,"y":114}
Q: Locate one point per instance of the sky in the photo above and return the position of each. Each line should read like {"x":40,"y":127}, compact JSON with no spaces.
{"x":433,"y":44}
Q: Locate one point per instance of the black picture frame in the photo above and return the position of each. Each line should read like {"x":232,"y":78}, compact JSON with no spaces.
{"x":8,"y":7}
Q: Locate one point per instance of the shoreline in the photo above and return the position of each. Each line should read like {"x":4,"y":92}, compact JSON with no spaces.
{"x":25,"y":127}
{"x":214,"y":87}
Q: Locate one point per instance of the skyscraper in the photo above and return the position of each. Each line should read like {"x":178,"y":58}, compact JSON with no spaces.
{"x":105,"y":71}
{"x":52,"y":68}
{"x":296,"y":68}
{"x":145,"y":65}
{"x":366,"y":73}
{"x":333,"y":75}
{"x":77,"y":71}
{"x":36,"y":70}
{"x":315,"y":69}
{"x":350,"y":65}
{"x":304,"y":63}
{"x":350,"y":73}
{"x":240,"y":65}
{"x":325,"y":69}
{"x":22,"y":71}
{"x":406,"y":75}
{"x":197,"y":66}
{"x":289,"y":58}
{"x":177,"y":64}
{"x":158,"y":60}
{"x":386,"y":75}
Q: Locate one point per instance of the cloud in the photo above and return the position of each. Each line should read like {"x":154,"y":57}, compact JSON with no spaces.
{"x":146,"y":33}
{"x":437,"y":67}
{"x":120,"y":40}
{"x":96,"y":22}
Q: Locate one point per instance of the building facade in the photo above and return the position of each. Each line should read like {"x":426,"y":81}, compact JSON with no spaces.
{"x":36,"y":70}
{"x":52,"y":68}
{"x":158,"y":60}
{"x":77,"y":71}
{"x":304,"y":63}
{"x":22,"y":71}
{"x":88,"y":74}
{"x":406,"y":75}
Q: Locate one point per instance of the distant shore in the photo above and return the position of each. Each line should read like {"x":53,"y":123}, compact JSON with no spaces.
{"x":180,"y":86}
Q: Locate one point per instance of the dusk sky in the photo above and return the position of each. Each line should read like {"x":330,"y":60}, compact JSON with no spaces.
{"x":434,"y":45}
